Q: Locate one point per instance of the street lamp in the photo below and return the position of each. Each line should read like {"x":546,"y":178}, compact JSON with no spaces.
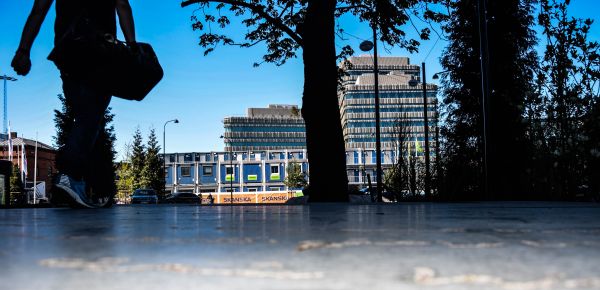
{"x":232,"y":171}
{"x":165,"y":150}
{"x":367,"y":46}
{"x":5,"y":117}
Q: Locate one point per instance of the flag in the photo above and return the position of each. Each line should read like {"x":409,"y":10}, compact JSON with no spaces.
{"x":10,"y":144}
{"x":24,"y":160}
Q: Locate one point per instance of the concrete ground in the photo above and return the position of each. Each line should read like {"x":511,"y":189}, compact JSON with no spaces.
{"x":326,"y":246}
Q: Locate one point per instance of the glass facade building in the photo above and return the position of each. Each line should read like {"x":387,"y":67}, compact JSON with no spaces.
{"x":401,"y":103}
{"x":277,"y":127}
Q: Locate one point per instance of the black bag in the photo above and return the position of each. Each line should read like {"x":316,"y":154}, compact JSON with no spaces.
{"x":105,"y":63}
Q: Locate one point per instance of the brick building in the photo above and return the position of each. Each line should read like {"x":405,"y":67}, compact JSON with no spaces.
{"x":45,"y":159}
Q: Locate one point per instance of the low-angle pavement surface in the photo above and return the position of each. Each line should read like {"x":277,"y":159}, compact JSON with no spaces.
{"x":325,"y":246}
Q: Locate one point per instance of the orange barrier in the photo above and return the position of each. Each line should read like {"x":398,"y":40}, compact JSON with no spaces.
{"x":272,"y":197}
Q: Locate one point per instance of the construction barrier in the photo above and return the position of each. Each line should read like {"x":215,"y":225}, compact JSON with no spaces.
{"x":271,"y":197}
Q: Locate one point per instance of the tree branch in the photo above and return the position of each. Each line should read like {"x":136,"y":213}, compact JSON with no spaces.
{"x":258,"y":9}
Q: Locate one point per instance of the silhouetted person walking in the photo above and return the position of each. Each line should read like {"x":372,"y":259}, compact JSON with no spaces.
{"x":88,"y":103}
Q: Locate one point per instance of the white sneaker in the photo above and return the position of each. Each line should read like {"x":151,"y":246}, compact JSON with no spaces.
{"x":75,"y":189}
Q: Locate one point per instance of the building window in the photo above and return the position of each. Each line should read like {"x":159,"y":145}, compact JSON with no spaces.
{"x":252,"y":189}
{"x":185,"y":171}
{"x":207,"y":157}
{"x":197,"y":157}
{"x":229,"y":170}
{"x":172,"y":158}
{"x":274,"y":169}
{"x":355,"y":157}
{"x":187,"y":158}
{"x":207,"y":170}
{"x":275,"y":188}
{"x":166,"y":173}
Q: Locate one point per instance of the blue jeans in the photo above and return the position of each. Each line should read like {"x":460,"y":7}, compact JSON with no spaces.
{"x":88,"y":108}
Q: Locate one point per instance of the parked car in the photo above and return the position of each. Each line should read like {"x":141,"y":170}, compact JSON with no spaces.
{"x":183,"y":197}
{"x":144,"y":196}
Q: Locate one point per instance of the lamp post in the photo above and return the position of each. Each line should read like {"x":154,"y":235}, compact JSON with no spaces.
{"x":5,"y":116}
{"x":426,"y":131}
{"x":165,"y":150}
{"x":367,"y":46}
{"x":484,"y":63}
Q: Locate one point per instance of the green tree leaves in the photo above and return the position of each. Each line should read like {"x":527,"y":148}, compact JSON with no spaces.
{"x":295,"y":178}
{"x":142,"y":166}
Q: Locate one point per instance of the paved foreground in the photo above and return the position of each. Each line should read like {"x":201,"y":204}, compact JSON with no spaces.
{"x":335,"y":246}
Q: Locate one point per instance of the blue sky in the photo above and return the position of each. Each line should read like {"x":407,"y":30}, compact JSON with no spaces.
{"x":200,"y":91}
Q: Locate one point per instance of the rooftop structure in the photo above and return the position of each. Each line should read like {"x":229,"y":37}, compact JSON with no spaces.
{"x":273,"y":128}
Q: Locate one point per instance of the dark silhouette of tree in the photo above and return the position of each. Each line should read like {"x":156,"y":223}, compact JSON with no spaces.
{"x":512,"y":59}
{"x":101,"y":172}
{"x":568,"y":86}
{"x":287,"y":25}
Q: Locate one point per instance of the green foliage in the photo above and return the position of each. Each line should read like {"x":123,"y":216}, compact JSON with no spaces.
{"x":125,"y":178}
{"x":17,"y":195}
{"x":152,"y":173}
{"x":295,"y":178}
{"x":138,"y":160}
{"x":142,"y":166}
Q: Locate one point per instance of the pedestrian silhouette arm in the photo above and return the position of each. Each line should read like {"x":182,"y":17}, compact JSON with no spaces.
{"x":21,"y":62}
{"x":126,"y":20}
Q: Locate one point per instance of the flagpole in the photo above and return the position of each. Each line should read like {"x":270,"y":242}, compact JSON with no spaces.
{"x":20,"y":162}
{"x":10,"y":144}
{"x":35,"y":170}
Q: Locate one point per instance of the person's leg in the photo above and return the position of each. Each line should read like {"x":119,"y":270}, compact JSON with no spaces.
{"x":88,"y":108}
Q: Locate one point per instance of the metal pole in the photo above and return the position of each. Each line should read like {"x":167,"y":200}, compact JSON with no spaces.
{"x":165,"y":151}
{"x":5,"y":118}
{"x":35,"y":169}
{"x":164,"y":156}
{"x":377,"y":118}
{"x":426,"y":130}
{"x":231,"y":177}
{"x":483,"y":53}
{"x":438,"y":170}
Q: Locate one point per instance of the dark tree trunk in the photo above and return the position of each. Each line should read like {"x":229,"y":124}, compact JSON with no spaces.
{"x":320,"y":109}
